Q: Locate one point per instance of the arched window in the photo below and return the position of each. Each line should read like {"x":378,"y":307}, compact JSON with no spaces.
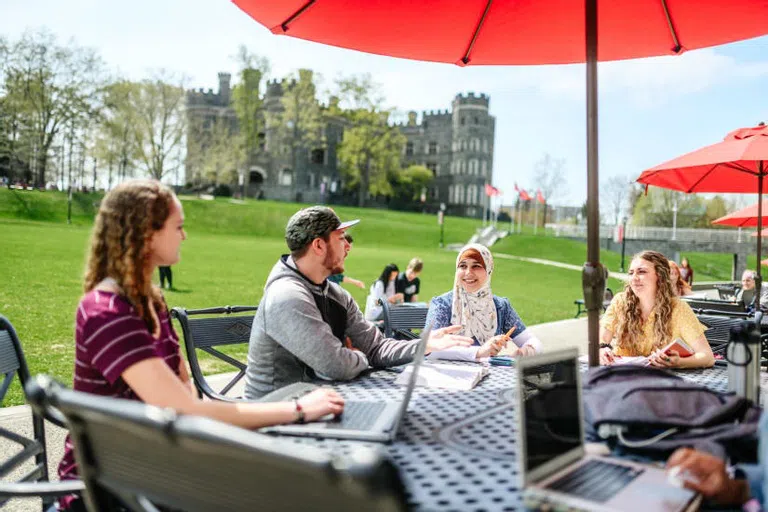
{"x":450,"y":193}
{"x":484,"y":167}
{"x":485,"y":145}
{"x":459,"y":194}
{"x":476,"y":144}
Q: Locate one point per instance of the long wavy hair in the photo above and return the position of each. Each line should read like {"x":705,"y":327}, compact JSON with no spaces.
{"x":629,"y":329}
{"x":680,"y":286}
{"x":127,"y":218}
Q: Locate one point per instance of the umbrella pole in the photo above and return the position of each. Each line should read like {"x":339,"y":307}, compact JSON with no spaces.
{"x":593,"y":275}
{"x":759,"y":279}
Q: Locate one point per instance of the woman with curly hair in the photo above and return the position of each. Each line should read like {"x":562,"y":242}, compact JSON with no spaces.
{"x":125,"y":345}
{"x":679,"y":286}
{"x":648,"y":315}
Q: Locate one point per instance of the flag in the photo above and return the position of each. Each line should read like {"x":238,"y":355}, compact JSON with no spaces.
{"x":491,"y":191}
{"x":539,"y":197}
{"x":524,"y":195}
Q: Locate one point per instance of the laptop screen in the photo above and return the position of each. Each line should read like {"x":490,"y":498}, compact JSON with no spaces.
{"x":550,"y":397}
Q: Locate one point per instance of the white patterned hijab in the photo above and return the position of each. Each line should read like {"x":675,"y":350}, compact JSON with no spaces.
{"x":475,"y":312}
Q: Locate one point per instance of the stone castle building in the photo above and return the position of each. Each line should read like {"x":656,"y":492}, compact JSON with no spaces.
{"x":456,"y":145}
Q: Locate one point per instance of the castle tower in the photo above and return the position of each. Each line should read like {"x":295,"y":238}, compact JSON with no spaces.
{"x":225,"y":92}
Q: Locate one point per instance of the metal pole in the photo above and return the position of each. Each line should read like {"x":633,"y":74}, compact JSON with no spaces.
{"x":759,"y":279}
{"x":593,"y":274}
{"x":623,"y":244}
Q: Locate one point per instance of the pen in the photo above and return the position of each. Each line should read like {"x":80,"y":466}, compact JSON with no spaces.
{"x":509,"y":332}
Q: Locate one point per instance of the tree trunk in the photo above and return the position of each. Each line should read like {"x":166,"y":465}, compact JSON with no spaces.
{"x":365,"y":177}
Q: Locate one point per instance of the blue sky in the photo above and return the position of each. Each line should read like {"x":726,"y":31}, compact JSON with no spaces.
{"x":651,"y":110}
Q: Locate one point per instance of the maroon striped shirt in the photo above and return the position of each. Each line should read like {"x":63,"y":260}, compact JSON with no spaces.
{"x":110,"y":337}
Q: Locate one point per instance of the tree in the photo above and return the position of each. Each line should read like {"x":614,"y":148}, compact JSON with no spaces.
{"x":216,"y":151}
{"x":248,"y":105}
{"x":114,"y":145}
{"x":657,"y":208}
{"x":549,"y":178}
{"x":408,"y":184}
{"x":614,"y":195}
{"x":156,"y":110}
{"x":371,"y":148}
{"x":298,"y":125}
{"x":49,"y":85}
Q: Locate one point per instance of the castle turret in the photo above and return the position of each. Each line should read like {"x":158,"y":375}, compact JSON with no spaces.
{"x":224,"y":88}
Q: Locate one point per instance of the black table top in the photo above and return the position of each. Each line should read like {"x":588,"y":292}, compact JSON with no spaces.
{"x":456,"y":450}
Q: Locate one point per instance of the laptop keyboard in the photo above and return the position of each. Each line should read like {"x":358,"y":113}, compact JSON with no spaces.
{"x":360,"y":415}
{"x":596,"y":480}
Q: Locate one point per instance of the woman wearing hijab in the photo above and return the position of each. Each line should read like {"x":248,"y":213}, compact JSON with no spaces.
{"x":483,"y":316}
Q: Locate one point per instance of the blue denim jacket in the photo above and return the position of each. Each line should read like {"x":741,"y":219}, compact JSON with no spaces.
{"x":439,"y":314}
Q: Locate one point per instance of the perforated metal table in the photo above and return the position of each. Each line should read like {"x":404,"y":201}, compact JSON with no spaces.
{"x":456,"y":450}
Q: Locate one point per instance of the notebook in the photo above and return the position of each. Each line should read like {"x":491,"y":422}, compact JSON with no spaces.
{"x":557,"y":471}
{"x":447,"y":376}
{"x":363,"y":421}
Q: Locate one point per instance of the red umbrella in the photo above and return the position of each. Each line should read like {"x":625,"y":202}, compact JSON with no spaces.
{"x":744,"y":218}
{"x":470,"y":32}
{"x":737,"y":164}
{"x":481,"y":32}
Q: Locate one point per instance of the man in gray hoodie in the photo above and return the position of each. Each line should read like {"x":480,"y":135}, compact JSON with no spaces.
{"x":301,"y":328}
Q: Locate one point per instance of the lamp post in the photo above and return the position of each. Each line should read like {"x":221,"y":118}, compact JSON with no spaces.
{"x":623,"y":241}
{"x":441,"y":221}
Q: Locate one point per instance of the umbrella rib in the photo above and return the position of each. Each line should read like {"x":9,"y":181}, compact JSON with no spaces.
{"x":292,"y":17}
{"x":677,"y":48}
{"x":465,"y":58}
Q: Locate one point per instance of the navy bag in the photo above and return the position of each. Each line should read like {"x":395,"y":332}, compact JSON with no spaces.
{"x":652,"y":412}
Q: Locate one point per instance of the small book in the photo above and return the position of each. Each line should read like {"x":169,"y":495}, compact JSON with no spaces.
{"x":448,"y":376}
{"x":681,"y":347}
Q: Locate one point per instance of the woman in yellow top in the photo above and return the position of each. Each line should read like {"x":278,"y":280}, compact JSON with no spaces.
{"x":648,"y":315}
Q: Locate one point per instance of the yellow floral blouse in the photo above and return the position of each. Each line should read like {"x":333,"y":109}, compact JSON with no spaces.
{"x":685,"y":325}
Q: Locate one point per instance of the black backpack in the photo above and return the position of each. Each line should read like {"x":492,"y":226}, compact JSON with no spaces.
{"x":652,"y":412}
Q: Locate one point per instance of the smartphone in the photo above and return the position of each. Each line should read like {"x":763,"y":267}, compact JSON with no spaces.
{"x":681,"y":347}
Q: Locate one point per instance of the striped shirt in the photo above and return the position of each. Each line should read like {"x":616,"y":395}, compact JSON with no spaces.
{"x":110,"y":337}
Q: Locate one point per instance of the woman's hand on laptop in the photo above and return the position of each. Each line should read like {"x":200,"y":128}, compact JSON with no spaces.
{"x":321,"y":402}
{"x":707,"y":475}
{"x":441,"y":339}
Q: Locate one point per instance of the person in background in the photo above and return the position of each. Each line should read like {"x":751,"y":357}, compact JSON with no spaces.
{"x":680,"y":287}
{"x":166,"y":274}
{"x":647,"y":316}
{"x":746,"y":295}
{"x":383,"y":288}
{"x":484,"y":317}
{"x":344,"y":279}
{"x":408,"y":282}
{"x":686,"y":271}
{"x":125,"y":344}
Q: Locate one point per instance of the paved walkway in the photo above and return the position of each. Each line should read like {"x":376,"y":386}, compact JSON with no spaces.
{"x":617,"y":275}
{"x":554,"y":335}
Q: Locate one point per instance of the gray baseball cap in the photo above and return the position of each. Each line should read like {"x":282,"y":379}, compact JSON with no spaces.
{"x":310,"y":223}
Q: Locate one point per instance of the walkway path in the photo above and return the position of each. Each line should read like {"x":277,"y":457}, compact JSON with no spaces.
{"x":617,"y":275}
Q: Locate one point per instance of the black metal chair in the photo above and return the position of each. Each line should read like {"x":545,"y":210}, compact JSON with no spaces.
{"x":720,"y":306}
{"x":727,"y":291}
{"x":144,"y":457}
{"x":219,"y":326}
{"x":34,"y":483}
{"x":399,"y":321}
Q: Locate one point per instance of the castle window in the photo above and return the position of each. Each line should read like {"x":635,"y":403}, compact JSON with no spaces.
{"x":463,"y":144}
{"x":475,"y":144}
{"x":409,"y":149}
{"x":461,"y":121}
{"x":485,"y":145}
{"x":433,"y":148}
{"x":261,"y":141}
{"x":286,"y":177}
{"x":432,"y":166}
{"x":484,"y":168}
{"x":318,"y":156}
{"x":477,"y":120}
{"x":473,"y":166}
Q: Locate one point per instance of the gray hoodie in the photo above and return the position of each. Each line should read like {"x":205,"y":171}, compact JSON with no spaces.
{"x":299,"y":330}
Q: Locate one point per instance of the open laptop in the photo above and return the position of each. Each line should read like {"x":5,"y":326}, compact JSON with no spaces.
{"x":363,"y":421}
{"x":555,"y":466}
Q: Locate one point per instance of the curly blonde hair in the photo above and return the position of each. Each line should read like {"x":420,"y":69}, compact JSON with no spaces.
{"x":629,"y":328}
{"x":127,"y":218}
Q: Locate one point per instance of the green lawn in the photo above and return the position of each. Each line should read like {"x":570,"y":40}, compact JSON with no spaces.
{"x":231,"y":249}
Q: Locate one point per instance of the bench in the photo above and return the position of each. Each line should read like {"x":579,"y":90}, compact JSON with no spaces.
{"x":400,"y":321}
{"x":220,"y":326}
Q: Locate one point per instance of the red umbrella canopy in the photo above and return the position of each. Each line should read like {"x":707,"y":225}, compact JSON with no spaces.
{"x":732,"y":165}
{"x":512,"y":31}
{"x":746,"y":217}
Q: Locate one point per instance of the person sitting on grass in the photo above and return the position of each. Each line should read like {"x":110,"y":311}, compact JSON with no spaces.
{"x":306,"y":328}
{"x":489,"y":320}
{"x":648,"y":315}
{"x":125,"y":344}
{"x":408,"y":282}
{"x":382,"y":289}
{"x":344,"y":279}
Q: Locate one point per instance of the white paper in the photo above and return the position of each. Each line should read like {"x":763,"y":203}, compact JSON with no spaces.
{"x":448,"y":376}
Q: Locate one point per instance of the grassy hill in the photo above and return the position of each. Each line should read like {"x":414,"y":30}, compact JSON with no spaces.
{"x":231,"y":249}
